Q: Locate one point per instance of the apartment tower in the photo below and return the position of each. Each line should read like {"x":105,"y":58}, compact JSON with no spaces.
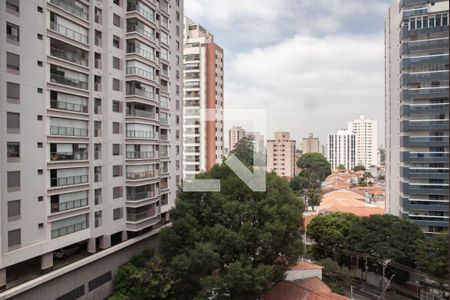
{"x":342,"y":149}
{"x":203,"y":100}
{"x":235,"y":134}
{"x":311,"y":144}
{"x":416,"y":89}
{"x":365,"y":131}
{"x":281,"y":155}
{"x":91,"y":123}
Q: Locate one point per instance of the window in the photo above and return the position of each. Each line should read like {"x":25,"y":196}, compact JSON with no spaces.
{"x":12,"y":62}
{"x":40,"y":90}
{"x":116,"y":63}
{"x":117,"y":171}
{"x":39,"y":117}
{"x":13,"y":180}
{"x":116,"y":84}
{"x":116,"y":41}
{"x":12,"y":92}
{"x":12,"y":6}
{"x":13,"y":122}
{"x":40,"y":145}
{"x":117,"y":192}
{"x":116,"y":106}
{"x":12,"y":33}
{"x":116,"y":20}
{"x":99,"y":281}
{"x":117,"y":213}
{"x":40,"y":198}
{"x":98,"y":218}
{"x":40,"y":171}
{"x":13,"y":149}
{"x":40,"y":9}
{"x":116,"y":149}
{"x":98,"y":15}
{"x":116,"y":127}
{"x":39,"y":63}
{"x":40,"y":36}
{"x":13,"y":238}
{"x":13,"y":210}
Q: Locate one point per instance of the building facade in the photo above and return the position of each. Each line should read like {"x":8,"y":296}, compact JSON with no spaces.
{"x":416,"y":89}
{"x":366,"y":132}
{"x":258,"y":141}
{"x":281,"y":155}
{"x":311,"y":144}
{"x":342,"y":149}
{"x":91,"y":122}
{"x":235,"y":134}
{"x":203,"y":100}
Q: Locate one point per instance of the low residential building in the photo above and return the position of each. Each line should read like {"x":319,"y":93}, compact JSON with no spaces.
{"x":303,"y":270}
{"x":281,"y":155}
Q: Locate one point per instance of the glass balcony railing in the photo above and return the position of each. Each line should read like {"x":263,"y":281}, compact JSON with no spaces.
{"x":68,"y":131}
{"x":63,"y":206}
{"x":70,"y":33}
{"x":61,"y":79}
{"x":141,"y":52}
{"x":425,"y":157}
{"x":424,"y":93}
{"x":69,"y":229}
{"x":140,"y":72}
{"x":69,"y":180}
{"x":140,"y":154}
{"x":141,"y":113}
{"x":131,"y":90}
{"x":414,"y":125}
{"x":141,"y":30}
{"x":142,"y":10}
{"x":141,"y":134}
{"x":69,"y":56}
{"x":141,"y":216}
{"x":141,"y":175}
{"x":57,"y":104}
{"x":141,"y":195}
{"x":425,"y":141}
{"x":70,"y":7}
{"x":75,"y":155}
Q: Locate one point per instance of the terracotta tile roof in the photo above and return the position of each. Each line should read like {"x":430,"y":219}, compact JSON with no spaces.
{"x":303,"y":265}
{"x":306,"y":289}
{"x":348,"y":201}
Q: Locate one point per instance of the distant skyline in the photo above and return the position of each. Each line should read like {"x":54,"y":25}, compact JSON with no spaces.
{"x":314,"y":65}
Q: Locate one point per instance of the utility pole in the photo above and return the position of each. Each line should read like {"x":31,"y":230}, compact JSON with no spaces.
{"x":384,"y":264}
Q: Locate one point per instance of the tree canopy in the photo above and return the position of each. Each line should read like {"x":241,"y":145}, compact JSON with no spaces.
{"x":433,"y":256}
{"x":244,"y":150}
{"x":315,"y":164}
{"x":235,"y":242}
{"x":359,"y":168}
{"x":334,"y":275}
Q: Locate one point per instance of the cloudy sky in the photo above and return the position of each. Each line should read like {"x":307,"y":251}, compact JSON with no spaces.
{"x":312,"y":64}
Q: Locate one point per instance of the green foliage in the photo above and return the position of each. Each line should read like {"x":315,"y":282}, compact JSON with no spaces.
{"x":334,"y":276}
{"x":331,"y":230}
{"x":145,"y":277}
{"x":244,"y":151}
{"x":359,"y":168}
{"x":433,"y":256}
{"x":313,"y":195}
{"x":235,"y":242}
{"x":316,"y":165}
{"x":341,"y":167}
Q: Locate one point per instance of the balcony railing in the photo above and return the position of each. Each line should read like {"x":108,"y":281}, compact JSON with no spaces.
{"x":141,"y":134}
{"x":63,"y":206}
{"x":141,"y":113}
{"x":68,"y":131}
{"x":141,"y":10}
{"x":75,"y":155}
{"x":140,"y":29}
{"x":413,"y":125}
{"x":68,"y":81}
{"x":70,"y":33}
{"x":141,"y":92}
{"x":69,"y":56}
{"x":420,"y":109}
{"x":58,"y":104}
{"x":69,"y":229}
{"x":140,"y":154}
{"x":141,"y":175}
{"x":163,"y":153}
{"x":141,"y":216}
{"x":68,"y":6}
{"x":69,"y":180}
{"x":425,"y":93}
{"x":140,"y":51}
{"x":141,"y":72}
{"x":141,"y":195}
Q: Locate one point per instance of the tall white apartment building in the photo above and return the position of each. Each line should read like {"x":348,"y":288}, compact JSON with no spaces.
{"x":365,"y":131}
{"x":91,"y":122}
{"x":342,"y":149}
{"x":281,"y":155}
{"x":235,"y":134}
{"x":203,"y":100}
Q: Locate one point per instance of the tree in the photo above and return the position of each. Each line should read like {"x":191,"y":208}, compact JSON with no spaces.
{"x":341,"y":168}
{"x":235,"y":242}
{"x":146,"y":276}
{"x":330,"y":232}
{"x":334,"y":276}
{"x":315,"y":164}
{"x":313,"y":195}
{"x":244,"y":150}
{"x":359,"y":168}
{"x":433,"y":256}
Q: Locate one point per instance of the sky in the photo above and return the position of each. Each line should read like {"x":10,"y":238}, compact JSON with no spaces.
{"x":313,"y":65}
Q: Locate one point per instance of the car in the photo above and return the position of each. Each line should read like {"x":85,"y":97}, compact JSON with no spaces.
{"x":66,"y":252}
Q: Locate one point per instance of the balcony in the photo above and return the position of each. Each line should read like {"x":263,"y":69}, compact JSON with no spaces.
{"x":69,"y":180}
{"x":425,"y":189}
{"x":141,"y":134}
{"x":135,"y":48}
{"x":424,"y":204}
{"x":69,"y":229}
{"x":425,"y":157}
{"x":427,"y":125}
{"x":424,"y":109}
{"x":68,"y":131}
{"x":409,"y":62}
{"x":425,"y":173}
{"x":141,"y":154}
{"x":163,"y":153}
{"x":408,"y":78}
{"x":143,"y":10}
{"x":424,"y":93}
{"x":140,"y":28}
{"x":73,"y":9}
{"x":138,"y":196}
{"x":63,"y":206}
{"x":137,"y":217}
{"x":147,"y":114}
{"x":134,"y":91}
{"x":61,"y":79}
{"x":66,"y":54}
{"x":68,"y":156}
{"x":57,"y":104}
{"x":141,"y":175}
{"x":141,"y":72}
{"x":411,"y":46}
{"x":70,"y":33}
{"x":406,"y":33}
{"x":424,"y":141}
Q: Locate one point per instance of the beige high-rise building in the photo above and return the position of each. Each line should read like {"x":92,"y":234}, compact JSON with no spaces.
{"x":90,"y":139}
{"x":236,"y":133}
{"x":365,"y":131}
{"x":311,"y":144}
{"x":281,"y":155}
